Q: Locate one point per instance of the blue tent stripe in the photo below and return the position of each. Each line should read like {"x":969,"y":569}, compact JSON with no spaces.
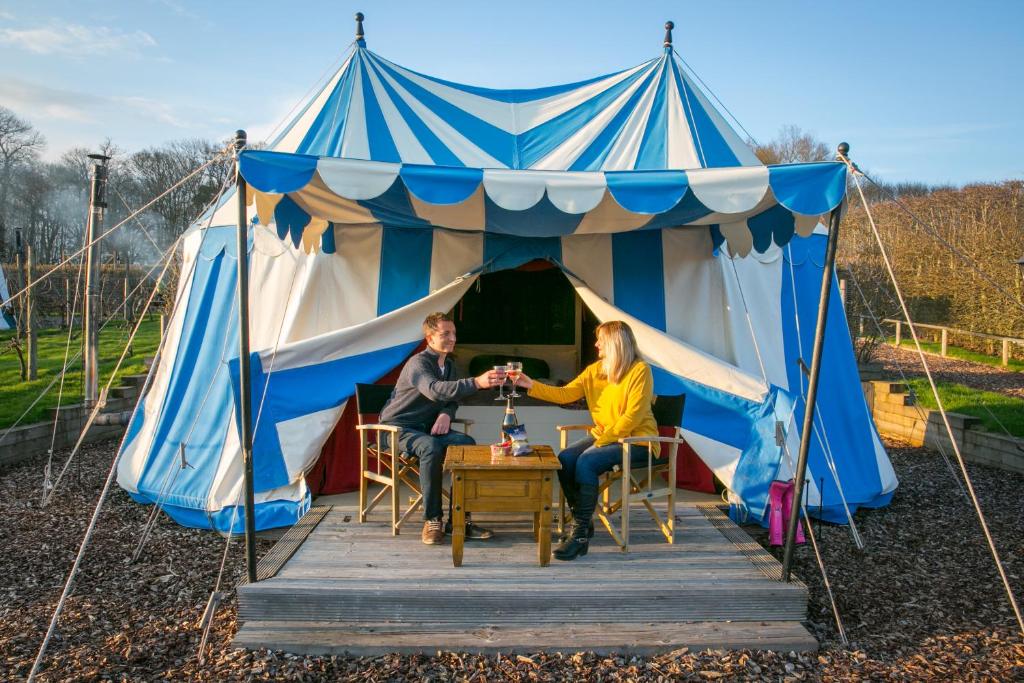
{"x":653,"y":152}
{"x":508,"y":95}
{"x":840,"y":402}
{"x":438,"y":151}
{"x":382,"y":146}
{"x":404,"y":267}
{"x":290,"y":219}
{"x":639,"y":272}
{"x":197,"y":374}
{"x":537,"y":142}
{"x":295,"y":392}
{"x":592,"y":158}
{"x":327,"y":132}
{"x":502,"y":252}
{"x":715,"y":150}
{"x":491,"y":139}
{"x":546,"y":220}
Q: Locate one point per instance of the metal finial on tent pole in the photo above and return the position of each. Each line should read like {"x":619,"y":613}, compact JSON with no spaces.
{"x":668,"y":35}
{"x":843,"y":154}
{"x":360,"y":36}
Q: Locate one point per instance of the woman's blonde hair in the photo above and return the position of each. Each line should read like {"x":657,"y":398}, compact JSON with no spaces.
{"x":619,"y":346}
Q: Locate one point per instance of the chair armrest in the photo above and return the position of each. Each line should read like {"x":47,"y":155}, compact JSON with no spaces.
{"x":570,"y":428}
{"x":379,"y":428}
{"x":463,"y":421}
{"x":649,"y":439}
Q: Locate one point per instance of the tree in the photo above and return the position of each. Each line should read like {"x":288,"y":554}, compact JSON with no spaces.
{"x":20,"y":143}
{"x":156,"y":169}
{"x":793,"y":146}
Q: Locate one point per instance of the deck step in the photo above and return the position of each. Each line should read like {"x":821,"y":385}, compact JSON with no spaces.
{"x":332,"y":638}
{"x":687,"y":598}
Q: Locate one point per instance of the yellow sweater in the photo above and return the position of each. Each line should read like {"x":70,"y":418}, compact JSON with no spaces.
{"x":618,"y":410}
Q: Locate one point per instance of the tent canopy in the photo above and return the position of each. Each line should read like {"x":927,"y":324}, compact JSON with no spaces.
{"x":391,"y":191}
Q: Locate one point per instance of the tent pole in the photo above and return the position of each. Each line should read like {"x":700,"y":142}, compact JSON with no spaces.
{"x":812,"y":383}
{"x":244,"y":390}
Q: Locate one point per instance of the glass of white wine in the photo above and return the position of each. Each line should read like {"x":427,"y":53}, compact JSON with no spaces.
{"x":514,"y":369}
{"x":500,"y":370}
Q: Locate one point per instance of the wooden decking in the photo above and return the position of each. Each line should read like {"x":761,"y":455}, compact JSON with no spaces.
{"x":354,"y":588}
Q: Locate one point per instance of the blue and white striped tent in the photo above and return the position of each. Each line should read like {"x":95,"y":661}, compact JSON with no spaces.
{"x":392,"y":191}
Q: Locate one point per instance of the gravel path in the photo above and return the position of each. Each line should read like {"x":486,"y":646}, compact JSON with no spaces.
{"x":974,"y":375}
{"x":922,"y":603}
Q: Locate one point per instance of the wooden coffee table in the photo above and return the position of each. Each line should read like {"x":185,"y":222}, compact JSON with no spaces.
{"x":506,"y":484}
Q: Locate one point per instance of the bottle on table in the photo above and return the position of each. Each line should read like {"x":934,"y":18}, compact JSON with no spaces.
{"x":508,"y":421}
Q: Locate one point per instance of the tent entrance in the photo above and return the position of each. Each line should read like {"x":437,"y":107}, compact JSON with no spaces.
{"x":531,"y":313}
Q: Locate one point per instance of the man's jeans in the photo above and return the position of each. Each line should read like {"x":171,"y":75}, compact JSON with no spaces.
{"x":429,"y":449}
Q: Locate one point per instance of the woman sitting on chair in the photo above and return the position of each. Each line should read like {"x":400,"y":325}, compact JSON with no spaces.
{"x":619,"y":390}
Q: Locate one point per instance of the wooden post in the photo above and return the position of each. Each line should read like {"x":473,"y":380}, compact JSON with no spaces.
{"x":30,"y":311}
{"x":127,"y":289}
{"x":899,"y":332}
{"x":1006,"y":352}
{"x":90,"y":316}
{"x":69,"y":319}
{"x":944,"y":341}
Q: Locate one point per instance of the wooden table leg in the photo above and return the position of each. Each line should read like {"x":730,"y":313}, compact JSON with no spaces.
{"x":458,"y":516}
{"x":544,"y":522}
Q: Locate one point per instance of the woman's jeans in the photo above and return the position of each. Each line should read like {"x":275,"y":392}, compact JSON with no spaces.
{"x":582,"y":463}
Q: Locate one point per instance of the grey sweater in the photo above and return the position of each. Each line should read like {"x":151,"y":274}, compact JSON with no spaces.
{"x":424,"y":391}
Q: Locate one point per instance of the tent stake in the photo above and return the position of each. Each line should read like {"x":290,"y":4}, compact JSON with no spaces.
{"x":244,"y":390}
{"x":812,"y":382}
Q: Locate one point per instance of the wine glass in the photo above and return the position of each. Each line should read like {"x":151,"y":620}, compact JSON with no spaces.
{"x":500,"y":371}
{"x":514,"y":369}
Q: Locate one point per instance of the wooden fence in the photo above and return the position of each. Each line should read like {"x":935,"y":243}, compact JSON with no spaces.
{"x":944,"y":333}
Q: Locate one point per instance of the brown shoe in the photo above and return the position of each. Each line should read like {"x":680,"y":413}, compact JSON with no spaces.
{"x":433,"y":532}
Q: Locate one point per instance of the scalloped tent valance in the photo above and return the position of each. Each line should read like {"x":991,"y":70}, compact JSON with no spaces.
{"x":758,"y":205}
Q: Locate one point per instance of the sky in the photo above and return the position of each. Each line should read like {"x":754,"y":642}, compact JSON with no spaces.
{"x":923,"y":91}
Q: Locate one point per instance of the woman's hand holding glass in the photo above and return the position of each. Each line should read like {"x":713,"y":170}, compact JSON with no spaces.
{"x":524,"y":381}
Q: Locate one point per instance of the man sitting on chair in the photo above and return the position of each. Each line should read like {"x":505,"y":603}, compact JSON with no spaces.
{"x":423,"y":405}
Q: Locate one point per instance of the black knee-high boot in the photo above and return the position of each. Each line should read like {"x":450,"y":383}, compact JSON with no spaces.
{"x":571,"y":494}
{"x":579,"y":542}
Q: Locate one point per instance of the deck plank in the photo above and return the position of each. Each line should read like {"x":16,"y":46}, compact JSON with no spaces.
{"x":356,"y":588}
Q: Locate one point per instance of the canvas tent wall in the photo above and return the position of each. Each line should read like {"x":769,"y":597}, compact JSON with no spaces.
{"x":7,"y":321}
{"x":390,"y":193}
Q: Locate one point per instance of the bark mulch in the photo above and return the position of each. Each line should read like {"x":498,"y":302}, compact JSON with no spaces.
{"x":923,"y":602}
{"x":969,"y":373}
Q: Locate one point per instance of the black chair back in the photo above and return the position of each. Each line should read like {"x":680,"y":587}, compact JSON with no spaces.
{"x":370,"y":398}
{"x":668,"y":410}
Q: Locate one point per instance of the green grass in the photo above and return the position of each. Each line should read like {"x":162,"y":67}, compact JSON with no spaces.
{"x":959,"y":353}
{"x":16,"y":395}
{"x":958,"y":398}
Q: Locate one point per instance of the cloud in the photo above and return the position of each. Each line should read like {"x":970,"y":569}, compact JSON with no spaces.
{"x":35,"y":100}
{"x":76,"y":40}
{"x":32,"y":99}
{"x":161,"y":111}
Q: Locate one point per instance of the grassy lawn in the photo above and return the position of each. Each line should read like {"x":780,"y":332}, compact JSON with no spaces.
{"x":958,"y":398}
{"x":1016,"y":364}
{"x":16,"y":396}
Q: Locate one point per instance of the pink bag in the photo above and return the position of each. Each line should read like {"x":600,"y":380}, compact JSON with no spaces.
{"x":780,"y":500}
